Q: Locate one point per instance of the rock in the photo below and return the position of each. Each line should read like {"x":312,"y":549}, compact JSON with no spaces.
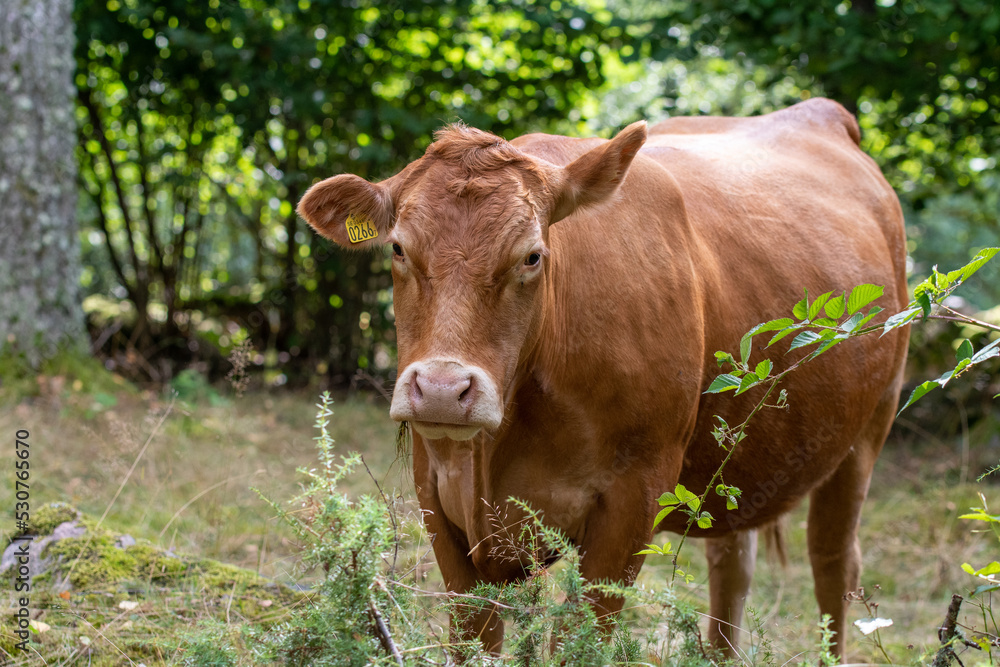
{"x":37,"y":564}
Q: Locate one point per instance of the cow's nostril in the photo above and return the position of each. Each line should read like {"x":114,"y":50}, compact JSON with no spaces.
{"x":465,"y":393}
{"x":415,"y":390}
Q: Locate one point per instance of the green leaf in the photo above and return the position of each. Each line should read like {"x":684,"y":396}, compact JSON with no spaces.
{"x":815,"y":306}
{"x":705,"y":520}
{"x":824,"y":347}
{"x":805,"y":338}
{"x":749,"y":381}
{"x":801,"y":309}
{"x":835,"y":307}
{"x":745,"y":344}
{"x":771,"y":325}
{"x":763,"y":369}
{"x":965,"y":350}
{"x":924,"y":302}
{"x":824,"y":322}
{"x":852,"y":323}
{"x":992,"y":568}
{"x":683,"y":495}
{"x":668,"y":499}
{"x":731,"y":503}
{"x":724,"y":382}
{"x":666,"y":550}
{"x":985,"y":588}
{"x":983,"y":256}
{"x":784,"y":332}
{"x":946,"y":377}
{"x":662,"y":514}
{"x":987,"y":352}
{"x":724,"y":357}
{"x":861,"y":296}
{"x":871,"y":313}
{"x":899,"y":319}
{"x":919,"y":393}
{"x":981,"y":516}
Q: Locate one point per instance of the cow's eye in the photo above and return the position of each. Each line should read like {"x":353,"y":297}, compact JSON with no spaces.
{"x":397,"y":250}
{"x":532,"y":259}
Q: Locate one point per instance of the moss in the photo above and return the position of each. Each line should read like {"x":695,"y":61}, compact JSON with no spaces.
{"x":221,"y":575}
{"x":47,"y":518}
{"x":83,"y":374}
{"x":92,"y":561}
{"x":153,"y":564}
{"x":7,"y":637}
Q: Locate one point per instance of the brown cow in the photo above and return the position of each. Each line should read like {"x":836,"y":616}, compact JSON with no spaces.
{"x":558,"y":302}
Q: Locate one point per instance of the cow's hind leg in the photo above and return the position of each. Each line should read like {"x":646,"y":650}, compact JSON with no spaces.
{"x":731,"y":561}
{"x":834,"y":518}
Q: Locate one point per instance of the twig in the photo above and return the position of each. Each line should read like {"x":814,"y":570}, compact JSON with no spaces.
{"x":948,"y":633}
{"x":383,"y":633}
{"x":965,"y":318}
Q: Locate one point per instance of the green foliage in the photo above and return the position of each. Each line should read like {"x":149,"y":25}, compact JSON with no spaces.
{"x":202,"y":124}
{"x":193,"y":387}
{"x":687,"y":502}
{"x":361,"y":613}
{"x":345,"y":540}
{"x":988,"y":573}
{"x":77,"y":371}
{"x":210,"y":646}
{"x":921,"y":76}
{"x":556,"y":604}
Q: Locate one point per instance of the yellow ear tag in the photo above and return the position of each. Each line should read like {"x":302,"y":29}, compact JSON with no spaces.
{"x":359,"y":229}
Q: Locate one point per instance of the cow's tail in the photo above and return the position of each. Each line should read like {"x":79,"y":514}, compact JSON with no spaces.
{"x":773,"y":534}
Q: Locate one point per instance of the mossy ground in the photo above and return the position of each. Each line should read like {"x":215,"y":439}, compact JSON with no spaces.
{"x":103,"y":598}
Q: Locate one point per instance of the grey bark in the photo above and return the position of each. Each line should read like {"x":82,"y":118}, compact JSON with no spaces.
{"x":39,"y":249}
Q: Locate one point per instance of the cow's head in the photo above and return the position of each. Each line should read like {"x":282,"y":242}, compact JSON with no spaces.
{"x":468,"y":227}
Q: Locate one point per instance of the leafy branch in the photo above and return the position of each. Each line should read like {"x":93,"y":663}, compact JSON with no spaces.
{"x":820,"y":324}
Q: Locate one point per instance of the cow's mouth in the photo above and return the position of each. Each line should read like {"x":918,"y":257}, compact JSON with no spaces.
{"x":438,"y":430}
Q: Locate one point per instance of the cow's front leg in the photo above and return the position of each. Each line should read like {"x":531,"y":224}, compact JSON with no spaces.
{"x":469,"y":621}
{"x":617,"y":529}
{"x":451,"y":550}
{"x":460,"y":576}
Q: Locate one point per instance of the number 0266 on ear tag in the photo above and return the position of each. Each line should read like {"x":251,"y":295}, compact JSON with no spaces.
{"x":360,"y":229}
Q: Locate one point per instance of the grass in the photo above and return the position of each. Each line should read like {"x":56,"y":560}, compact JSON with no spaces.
{"x":190,"y":492}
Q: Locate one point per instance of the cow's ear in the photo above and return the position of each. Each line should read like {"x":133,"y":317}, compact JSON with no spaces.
{"x":595,"y":175}
{"x":350,"y":211}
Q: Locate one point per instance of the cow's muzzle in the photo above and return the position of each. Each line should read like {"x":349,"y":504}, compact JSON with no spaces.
{"x":443,"y":398}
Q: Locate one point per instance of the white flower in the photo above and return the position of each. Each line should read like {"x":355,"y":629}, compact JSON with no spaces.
{"x":870,"y":625}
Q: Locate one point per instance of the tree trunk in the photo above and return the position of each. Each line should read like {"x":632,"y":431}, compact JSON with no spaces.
{"x":39,"y":251}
